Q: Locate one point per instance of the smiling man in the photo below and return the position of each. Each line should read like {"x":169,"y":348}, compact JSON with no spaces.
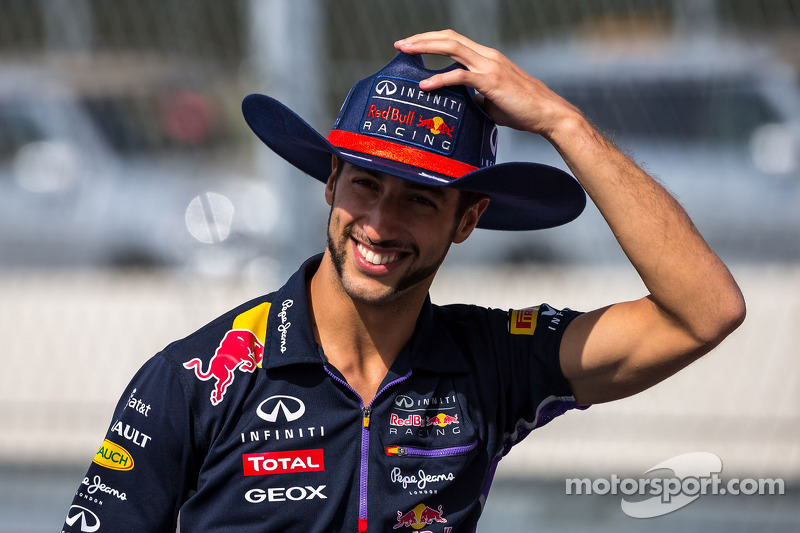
{"x":346,"y":400}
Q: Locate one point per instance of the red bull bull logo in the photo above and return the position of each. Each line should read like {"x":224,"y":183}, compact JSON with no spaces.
{"x":240,"y":349}
{"x":419,"y":517}
{"x":441,"y":420}
{"x":436,"y":125}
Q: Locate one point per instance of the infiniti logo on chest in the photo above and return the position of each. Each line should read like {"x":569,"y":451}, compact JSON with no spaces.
{"x":273,"y":407}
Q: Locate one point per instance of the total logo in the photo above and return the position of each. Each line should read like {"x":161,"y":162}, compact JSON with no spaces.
{"x":259,"y":464}
{"x":89,"y":522}
{"x":281,"y":494}
{"x":419,"y":517}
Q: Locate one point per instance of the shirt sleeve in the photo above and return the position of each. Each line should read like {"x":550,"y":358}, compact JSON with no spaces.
{"x":536,"y":390}
{"x":146,"y":466}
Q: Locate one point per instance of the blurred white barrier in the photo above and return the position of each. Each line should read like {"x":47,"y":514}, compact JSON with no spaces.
{"x":72,"y":340}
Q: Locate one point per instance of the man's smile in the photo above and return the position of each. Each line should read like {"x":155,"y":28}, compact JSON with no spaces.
{"x":376,"y":258}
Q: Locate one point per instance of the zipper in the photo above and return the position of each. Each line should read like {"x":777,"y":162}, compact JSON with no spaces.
{"x":410,"y":451}
{"x":366,"y":413}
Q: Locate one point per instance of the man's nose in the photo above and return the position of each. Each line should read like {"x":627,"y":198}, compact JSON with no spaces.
{"x":385,"y":220}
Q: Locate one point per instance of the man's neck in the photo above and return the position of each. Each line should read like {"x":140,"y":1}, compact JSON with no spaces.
{"x":361,"y":340}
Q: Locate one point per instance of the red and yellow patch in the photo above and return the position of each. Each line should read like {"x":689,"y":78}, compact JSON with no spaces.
{"x":254,"y":320}
{"x":523,"y":321}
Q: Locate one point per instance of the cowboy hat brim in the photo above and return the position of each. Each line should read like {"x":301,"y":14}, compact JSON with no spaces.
{"x":523,"y":196}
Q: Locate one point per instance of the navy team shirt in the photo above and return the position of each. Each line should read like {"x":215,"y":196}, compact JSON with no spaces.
{"x":244,"y":425}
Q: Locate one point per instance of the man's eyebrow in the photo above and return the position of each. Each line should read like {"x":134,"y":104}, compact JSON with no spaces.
{"x":436,"y":191}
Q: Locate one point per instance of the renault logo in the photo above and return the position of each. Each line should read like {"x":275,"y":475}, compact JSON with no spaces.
{"x":272,"y":407}
{"x":87,"y":525}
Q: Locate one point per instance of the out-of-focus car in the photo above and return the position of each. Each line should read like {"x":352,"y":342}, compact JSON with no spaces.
{"x":68,"y":198}
{"x":716,"y":121}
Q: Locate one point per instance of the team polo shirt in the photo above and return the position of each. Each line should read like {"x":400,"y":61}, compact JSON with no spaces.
{"x":244,"y":425}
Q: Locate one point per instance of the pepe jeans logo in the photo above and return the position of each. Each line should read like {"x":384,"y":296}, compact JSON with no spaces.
{"x":420,"y":480}
{"x":290,"y":407}
{"x":97,"y":485}
{"x":285,"y":324}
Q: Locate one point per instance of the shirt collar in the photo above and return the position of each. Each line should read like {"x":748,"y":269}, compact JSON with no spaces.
{"x":290,"y":337}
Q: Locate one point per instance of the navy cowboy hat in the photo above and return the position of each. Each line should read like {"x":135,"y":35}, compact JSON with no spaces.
{"x":440,"y":138}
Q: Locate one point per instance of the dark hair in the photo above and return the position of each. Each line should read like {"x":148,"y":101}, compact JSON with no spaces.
{"x":467,"y":199}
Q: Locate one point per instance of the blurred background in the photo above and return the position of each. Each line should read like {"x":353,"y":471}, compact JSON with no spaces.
{"x":135,"y":206}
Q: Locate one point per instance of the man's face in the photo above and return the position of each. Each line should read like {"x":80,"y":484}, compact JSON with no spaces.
{"x":388,"y":236}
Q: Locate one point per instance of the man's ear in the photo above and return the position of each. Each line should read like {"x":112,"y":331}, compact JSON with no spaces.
{"x":469,"y":220}
{"x":330,"y":185}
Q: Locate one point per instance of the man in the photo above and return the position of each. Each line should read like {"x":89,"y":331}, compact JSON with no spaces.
{"x":346,"y":400}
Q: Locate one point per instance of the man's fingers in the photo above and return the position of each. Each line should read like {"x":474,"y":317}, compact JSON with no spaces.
{"x":443,"y":35}
{"x":446,"y":43}
{"x":457,"y":76}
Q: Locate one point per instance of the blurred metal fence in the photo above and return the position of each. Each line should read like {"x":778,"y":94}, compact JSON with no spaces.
{"x":156,"y":88}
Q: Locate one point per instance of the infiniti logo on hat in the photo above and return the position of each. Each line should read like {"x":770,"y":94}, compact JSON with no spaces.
{"x":438,"y":138}
{"x":385,"y":87}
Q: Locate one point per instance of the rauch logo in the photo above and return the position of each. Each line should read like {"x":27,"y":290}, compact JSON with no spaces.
{"x":113,"y":456}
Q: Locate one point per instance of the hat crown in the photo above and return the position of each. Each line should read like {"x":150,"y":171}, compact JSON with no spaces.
{"x":388,"y":115}
{"x":388,"y":125}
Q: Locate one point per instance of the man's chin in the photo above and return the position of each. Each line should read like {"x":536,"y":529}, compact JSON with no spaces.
{"x":371,"y":291}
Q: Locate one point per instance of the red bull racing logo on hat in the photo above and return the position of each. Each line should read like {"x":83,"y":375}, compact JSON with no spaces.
{"x":242,"y":348}
{"x":419,"y":517}
{"x":436,"y":125}
{"x":397,"y":109}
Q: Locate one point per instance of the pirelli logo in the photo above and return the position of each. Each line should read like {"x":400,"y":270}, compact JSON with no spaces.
{"x":523,"y":321}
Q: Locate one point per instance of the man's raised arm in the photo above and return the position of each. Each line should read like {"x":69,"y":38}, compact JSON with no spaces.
{"x":694,"y":302}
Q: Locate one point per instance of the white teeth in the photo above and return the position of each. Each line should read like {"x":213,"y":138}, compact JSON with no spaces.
{"x":375,"y":258}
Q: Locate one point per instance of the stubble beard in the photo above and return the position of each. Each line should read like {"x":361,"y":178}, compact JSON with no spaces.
{"x":338,"y":254}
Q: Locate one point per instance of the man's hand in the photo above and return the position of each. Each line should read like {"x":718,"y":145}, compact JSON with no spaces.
{"x":507,"y":93}
{"x":694,"y":302}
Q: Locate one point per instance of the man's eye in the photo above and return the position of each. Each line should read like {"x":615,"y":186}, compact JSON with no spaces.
{"x":363,"y":182}
{"x":422,"y":200}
